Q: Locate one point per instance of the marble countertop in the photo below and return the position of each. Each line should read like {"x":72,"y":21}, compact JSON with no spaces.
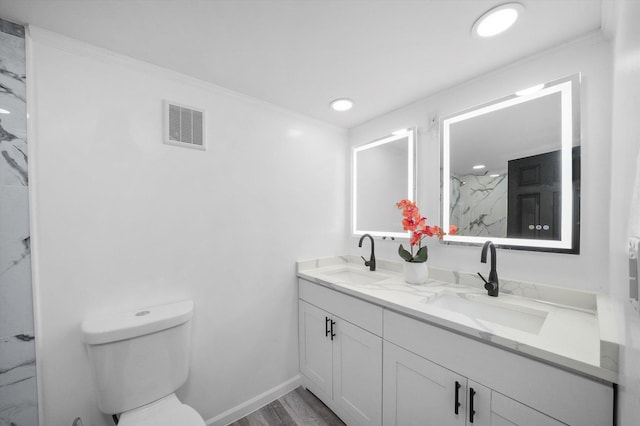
{"x":572,"y":329}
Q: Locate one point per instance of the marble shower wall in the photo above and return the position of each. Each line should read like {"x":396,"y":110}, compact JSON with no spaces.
{"x":479,"y":205}
{"x":18,"y":392}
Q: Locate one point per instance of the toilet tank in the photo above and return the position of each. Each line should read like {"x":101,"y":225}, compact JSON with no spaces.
{"x":140,"y":356}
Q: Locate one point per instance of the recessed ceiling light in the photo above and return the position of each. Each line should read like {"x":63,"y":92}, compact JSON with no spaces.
{"x":479,"y":166}
{"x":494,"y":175}
{"x":342,"y":104}
{"x":4,"y":111}
{"x":497,"y":20}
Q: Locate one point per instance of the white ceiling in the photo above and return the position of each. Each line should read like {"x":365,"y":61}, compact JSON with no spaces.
{"x":301,"y":54}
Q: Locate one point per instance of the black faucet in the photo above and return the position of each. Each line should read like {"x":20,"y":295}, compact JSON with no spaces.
{"x":371,"y":263}
{"x":492,"y":284}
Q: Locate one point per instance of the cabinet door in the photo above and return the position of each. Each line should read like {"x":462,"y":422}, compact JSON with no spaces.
{"x":478,"y":404}
{"x":508,"y":412}
{"x":315,"y":349}
{"x":357,"y":379}
{"x":419,"y":392}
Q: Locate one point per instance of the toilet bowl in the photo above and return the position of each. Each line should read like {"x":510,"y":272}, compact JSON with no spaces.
{"x":139,"y":359}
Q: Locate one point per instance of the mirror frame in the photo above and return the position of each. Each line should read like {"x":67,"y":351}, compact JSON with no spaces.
{"x":569,"y":89}
{"x":408,"y":133}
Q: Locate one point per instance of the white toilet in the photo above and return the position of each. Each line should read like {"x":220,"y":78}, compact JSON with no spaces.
{"x":139,"y":359}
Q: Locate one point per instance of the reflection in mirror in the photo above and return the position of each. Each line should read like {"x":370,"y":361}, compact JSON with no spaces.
{"x":511,"y":170}
{"x":382,"y":173}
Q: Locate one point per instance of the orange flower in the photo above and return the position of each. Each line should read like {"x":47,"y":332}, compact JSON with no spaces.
{"x":415,"y":238}
{"x":412,"y":221}
{"x":404,"y":203}
{"x":437,"y":231}
{"x":409,"y":224}
{"x":428,"y":231}
{"x":411,"y":211}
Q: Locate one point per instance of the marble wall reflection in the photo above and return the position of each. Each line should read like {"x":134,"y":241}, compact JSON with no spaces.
{"x":479,"y":204}
{"x":18,"y":392}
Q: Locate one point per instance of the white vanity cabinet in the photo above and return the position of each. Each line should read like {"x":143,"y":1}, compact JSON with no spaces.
{"x":419,"y":392}
{"x":510,"y":389}
{"x":376,"y":366}
{"x":341,"y":353}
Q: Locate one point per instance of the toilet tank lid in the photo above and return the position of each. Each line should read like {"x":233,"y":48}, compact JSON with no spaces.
{"x":126,"y":325}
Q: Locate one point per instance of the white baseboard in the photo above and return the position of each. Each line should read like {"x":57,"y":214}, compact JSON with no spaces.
{"x":255,"y":403}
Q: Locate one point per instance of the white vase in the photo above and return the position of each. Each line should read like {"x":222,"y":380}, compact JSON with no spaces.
{"x":416,"y":272}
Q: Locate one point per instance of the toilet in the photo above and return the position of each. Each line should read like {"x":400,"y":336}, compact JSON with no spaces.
{"x":139,"y":359}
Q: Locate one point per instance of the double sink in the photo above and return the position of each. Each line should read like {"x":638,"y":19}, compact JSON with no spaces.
{"x":474,"y":305}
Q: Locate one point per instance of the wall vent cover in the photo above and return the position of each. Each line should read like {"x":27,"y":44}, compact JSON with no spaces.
{"x":183,"y":126}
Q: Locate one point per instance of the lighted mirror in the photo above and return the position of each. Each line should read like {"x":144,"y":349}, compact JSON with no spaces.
{"x":511,"y":170}
{"x":382,"y":174}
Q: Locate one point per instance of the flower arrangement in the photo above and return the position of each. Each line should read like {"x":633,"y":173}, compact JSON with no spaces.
{"x":412,"y":221}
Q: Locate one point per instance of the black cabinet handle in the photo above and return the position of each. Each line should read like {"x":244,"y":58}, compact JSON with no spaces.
{"x":472,"y":393}
{"x":332,"y":333}
{"x":457,"y":404}
{"x":326,"y":326}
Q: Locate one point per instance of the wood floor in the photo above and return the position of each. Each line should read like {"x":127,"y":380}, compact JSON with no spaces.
{"x":297,"y":408}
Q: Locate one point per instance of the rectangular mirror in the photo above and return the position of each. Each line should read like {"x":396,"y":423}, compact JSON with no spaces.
{"x":383,"y":173}
{"x":511,"y":170}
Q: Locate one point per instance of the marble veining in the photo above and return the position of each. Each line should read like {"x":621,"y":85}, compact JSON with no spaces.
{"x":18,"y":402}
{"x":479,"y":204}
{"x":24,"y":253}
{"x":18,"y":389}
{"x":6,"y":89}
{"x":13,"y":126}
{"x":17,"y":162}
{"x":565,"y":327}
{"x":16,"y":314}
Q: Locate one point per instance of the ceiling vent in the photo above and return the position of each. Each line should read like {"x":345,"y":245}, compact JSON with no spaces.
{"x":183,"y":126}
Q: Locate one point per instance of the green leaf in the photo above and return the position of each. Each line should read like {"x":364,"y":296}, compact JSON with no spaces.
{"x":422,"y":255}
{"x":405,"y":254}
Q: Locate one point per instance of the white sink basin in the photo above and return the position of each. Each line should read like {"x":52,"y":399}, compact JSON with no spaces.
{"x":354,"y":276}
{"x":482,"y":308}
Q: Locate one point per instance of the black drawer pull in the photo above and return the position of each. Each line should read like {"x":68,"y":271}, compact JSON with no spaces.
{"x":326,"y":326}
{"x":457,"y":404}
{"x":332,"y":333}
{"x":472,"y":393}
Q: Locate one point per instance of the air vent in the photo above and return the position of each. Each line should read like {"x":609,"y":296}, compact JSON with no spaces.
{"x":184,"y":126}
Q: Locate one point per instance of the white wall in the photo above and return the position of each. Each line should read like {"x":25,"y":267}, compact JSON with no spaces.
{"x":121,"y":221}
{"x":589,"y":270}
{"x":625,"y":161}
